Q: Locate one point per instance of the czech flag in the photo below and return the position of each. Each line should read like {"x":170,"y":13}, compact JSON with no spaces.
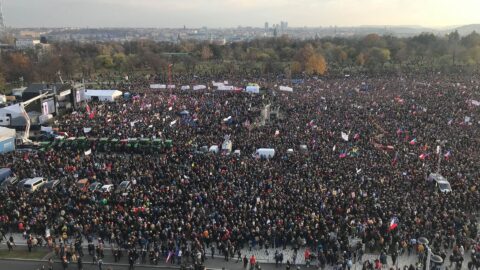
{"x":393,"y":224}
{"x":448,"y":155}
{"x":413,"y":142}
{"x":343,"y":155}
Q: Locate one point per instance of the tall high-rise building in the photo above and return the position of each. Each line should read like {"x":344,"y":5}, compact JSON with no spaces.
{"x":283,"y":26}
{"x":2,"y":22}
{"x":266,"y":26}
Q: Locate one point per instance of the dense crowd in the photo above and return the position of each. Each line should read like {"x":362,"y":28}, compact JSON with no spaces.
{"x":322,"y":195}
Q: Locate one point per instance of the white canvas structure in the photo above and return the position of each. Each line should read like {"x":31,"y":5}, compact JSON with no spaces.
{"x":253,"y":89}
{"x":265,"y":152}
{"x":285,"y":88}
{"x":185,"y":87}
{"x":102,"y":95}
{"x":7,"y":132}
{"x":214,"y":149}
{"x":199,"y":87}
{"x":227,"y":146}
{"x":226,"y":88}
{"x":158,"y":86}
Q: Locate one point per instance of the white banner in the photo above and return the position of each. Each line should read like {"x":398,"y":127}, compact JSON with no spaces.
{"x":158,"y":86}
{"x":185,"y":87}
{"x":286,"y":88}
{"x":87,"y":130}
{"x":199,"y":87}
{"x":226,"y":88}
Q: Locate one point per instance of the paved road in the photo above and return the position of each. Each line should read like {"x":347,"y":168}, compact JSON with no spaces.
{"x":266,"y":260}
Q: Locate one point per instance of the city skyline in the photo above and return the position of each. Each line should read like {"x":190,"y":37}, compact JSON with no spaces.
{"x":230,"y":13}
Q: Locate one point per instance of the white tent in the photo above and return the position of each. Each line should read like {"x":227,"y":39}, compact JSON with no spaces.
{"x":265,"y":152}
{"x":102,"y":95}
{"x":214,"y":149}
{"x":7,"y":132}
{"x":253,"y":89}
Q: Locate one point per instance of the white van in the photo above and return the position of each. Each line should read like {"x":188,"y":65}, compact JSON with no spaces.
{"x":33,"y":184}
{"x":441,"y":182}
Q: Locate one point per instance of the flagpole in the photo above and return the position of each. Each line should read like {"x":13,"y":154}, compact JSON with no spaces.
{"x":439,"y":158}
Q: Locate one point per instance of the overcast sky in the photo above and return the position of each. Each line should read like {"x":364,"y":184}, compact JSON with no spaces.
{"x":232,"y":13}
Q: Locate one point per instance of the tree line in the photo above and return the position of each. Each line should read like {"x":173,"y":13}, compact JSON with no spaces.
{"x":266,"y":56}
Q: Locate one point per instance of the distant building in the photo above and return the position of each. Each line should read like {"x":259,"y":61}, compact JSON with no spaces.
{"x":26,"y":43}
{"x":266,"y":26}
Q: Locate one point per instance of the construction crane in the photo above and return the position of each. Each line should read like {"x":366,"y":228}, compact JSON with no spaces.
{"x":22,"y":106}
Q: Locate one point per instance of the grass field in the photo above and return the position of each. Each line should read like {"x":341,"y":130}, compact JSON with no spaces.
{"x":22,"y":254}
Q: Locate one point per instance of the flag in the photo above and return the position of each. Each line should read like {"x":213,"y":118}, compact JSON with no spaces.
{"x":413,"y":142}
{"x":399,"y":132}
{"x":357,"y":136}
{"x":448,"y":155}
{"x":343,"y":155}
{"x":395,"y":160}
{"x":423,"y":156}
{"x":88,"y":152}
{"x":393,"y":224}
{"x":277,"y":133}
{"x":88,"y":109}
{"x":310,"y":124}
{"x":345,"y":136}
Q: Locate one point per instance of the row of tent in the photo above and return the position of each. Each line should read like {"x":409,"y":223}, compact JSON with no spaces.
{"x":220,"y":86}
{"x":104,"y":144}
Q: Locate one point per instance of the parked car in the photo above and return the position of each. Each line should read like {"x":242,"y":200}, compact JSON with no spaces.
{"x":124,"y":186}
{"x":10,"y":181}
{"x":51,"y":184}
{"x":440,"y":182}
{"x":107,"y":188}
{"x":21,"y":183}
{"x":5,"y":173}
{"x":95,"y":186}
{"x":31,"y":185}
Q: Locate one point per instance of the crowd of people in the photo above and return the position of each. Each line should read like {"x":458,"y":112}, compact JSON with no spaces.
{"x":352,"y":158}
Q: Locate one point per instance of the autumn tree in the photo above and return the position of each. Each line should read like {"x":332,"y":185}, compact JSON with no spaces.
{"x":311,"y":61}
{"x":206,"y":53}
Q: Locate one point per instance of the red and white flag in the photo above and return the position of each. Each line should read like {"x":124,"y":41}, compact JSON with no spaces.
{"x":393,"y":224}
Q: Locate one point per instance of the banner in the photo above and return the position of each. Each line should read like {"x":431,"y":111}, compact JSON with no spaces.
{"x":87,"y":130}
{"x":199,"y":87}
{"x":88,"y":152}
{"x":286,"y":88}
{"x":158,"y":86}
